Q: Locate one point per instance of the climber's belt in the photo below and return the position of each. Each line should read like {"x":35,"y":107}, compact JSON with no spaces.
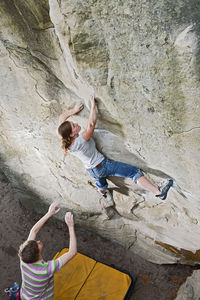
{"x":98,"y":166}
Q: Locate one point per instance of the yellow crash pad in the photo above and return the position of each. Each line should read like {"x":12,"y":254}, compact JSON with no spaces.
{"x":83,"y":279}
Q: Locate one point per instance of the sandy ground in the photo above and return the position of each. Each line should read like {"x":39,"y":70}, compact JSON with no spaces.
{"x":154,"y":282}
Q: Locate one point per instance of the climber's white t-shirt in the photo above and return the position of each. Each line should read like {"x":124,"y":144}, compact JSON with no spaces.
{"x":86,"y":151}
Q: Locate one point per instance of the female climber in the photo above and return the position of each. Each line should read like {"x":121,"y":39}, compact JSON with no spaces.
{"x":82,"y":145}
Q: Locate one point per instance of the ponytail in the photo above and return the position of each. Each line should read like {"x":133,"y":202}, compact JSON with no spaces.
{"x":66,"y":143}
{"x":64,"y":130}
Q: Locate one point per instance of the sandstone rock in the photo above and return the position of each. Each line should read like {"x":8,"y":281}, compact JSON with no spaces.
{"x":142,"y":60}
{"x":190,"y":290}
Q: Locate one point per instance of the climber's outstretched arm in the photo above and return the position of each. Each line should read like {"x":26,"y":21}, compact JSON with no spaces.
{"x":88,"y":132}
{"x":63,"y":117}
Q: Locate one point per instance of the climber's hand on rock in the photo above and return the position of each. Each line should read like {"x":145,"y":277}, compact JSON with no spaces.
{"x":78,"y":107}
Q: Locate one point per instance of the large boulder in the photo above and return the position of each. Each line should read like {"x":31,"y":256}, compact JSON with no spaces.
{"x":141,"y":58}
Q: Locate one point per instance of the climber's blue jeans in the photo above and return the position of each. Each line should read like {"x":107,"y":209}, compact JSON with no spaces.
{"x":109,"y":167}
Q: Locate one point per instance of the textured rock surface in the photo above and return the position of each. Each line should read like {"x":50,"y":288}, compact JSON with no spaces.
{"x":154,"y":282}
{"x":142,"y":60}
{"x":190,"y":290}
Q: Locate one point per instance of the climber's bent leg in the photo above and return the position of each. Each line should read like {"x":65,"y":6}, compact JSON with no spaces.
{"x":116,"y":168}
{"x":99,"y":174}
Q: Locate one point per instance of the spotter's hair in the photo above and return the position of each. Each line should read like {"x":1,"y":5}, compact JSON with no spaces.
{"x":29,"y":252}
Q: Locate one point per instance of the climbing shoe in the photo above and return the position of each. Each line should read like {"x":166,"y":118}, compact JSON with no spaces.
{"x":108,"y":199}
{"x":165,"y":189}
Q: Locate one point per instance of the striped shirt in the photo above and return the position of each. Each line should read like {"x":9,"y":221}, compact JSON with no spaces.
{"x":38,"y":279}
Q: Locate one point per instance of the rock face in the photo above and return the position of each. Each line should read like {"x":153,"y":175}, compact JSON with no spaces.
{"x":190,"y":290}
{"x":141,"y":58}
